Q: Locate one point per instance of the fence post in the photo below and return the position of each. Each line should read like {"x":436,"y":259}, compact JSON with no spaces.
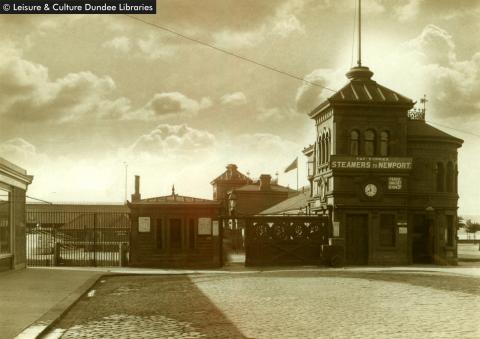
{"x":95,"y":239}
{"x":56,"y":254}
{"x":122,"y":258}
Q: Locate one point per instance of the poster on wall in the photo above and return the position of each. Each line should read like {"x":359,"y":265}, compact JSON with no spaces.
{"x":143,"y":224}
{"x":204,"y":226}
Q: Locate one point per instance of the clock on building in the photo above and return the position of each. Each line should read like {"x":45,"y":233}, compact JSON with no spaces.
{"x":370,"y":190}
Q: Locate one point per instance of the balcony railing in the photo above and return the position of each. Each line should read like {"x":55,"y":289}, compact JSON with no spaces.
{"x":416,"y":114}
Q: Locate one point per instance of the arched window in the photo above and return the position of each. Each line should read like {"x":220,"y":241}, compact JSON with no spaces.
{"x":354,"y":142}
{"x":324,"y":149}
{"x":384,"y":140}
{"x":440,"y":177}
{"x":450,"y":177}
{"x":369,"y":142}
{"x":328,"y":145}
{"x":319,"y":152}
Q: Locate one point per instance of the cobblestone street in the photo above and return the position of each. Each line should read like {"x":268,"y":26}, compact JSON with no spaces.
{"x":280,"y":304}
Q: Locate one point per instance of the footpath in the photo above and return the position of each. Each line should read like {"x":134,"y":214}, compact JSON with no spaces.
{"x":31,"y":300}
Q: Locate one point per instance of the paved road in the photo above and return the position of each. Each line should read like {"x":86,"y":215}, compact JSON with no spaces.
{"x":308,"y":304}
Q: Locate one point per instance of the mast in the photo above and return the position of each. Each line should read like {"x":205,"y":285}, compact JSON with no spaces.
{"x":359,"y":61}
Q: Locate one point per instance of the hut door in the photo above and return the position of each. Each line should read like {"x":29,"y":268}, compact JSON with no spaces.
{"x":356,"y":239}
{"x":175,"y":234}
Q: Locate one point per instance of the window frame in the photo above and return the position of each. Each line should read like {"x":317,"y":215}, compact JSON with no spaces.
{"x":368,"y":141}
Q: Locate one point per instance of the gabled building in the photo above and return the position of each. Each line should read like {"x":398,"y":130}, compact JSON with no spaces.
{"x":386,"y":177}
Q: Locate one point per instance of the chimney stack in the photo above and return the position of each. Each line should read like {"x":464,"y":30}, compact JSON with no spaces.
{"x":265,"y":182}
{"x":136,"y":196}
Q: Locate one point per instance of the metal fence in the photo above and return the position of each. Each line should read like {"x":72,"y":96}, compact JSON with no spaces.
{"x":77,"y":238}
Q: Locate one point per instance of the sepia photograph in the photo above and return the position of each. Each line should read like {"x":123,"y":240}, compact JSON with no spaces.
{"x":239,"y":169}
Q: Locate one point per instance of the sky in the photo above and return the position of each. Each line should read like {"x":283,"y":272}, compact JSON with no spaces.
{"x":85,"y":97}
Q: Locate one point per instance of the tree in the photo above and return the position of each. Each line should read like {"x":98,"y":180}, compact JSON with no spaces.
{"x":460,"y":223}
{"x":472,"y":227}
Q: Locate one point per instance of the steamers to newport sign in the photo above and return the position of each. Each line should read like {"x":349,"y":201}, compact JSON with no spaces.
{"x":370,"y":163}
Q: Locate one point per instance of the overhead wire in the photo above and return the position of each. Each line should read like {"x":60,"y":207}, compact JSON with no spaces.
{"x":206,"y":44}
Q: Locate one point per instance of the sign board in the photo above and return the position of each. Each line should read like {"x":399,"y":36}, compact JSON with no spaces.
{"x":402,"y":230}
{"x":394,"y":183}
{"x":204,"y":226}
{"x":370,"y":163}
{"x":215,"y":228}
{"x":143,"y":224}
{"x":336,"y":228}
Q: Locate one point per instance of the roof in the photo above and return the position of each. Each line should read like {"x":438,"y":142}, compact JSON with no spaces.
{"x":173,"y":199}
{"x":77,"y":207}
{"x":292,"y":205}
{"x":14,"y":175}
{"x":361,"y":89}
{"x":420,"y":129}
{"x":256,"y":188}
{"x":232,"y":174}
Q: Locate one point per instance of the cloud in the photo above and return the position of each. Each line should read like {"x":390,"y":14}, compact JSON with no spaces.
{"x":121,"y":44}
{"x":236,"y":99}
{"x":281,"y":24}
{"x":173,"y":141}
{"x":153,"y":47}
{"x":169,"y":105}
{"x":310,"y":96}
{"x":22,"y":153}
{"x":447,"y":9}
{"x":275,"y":114}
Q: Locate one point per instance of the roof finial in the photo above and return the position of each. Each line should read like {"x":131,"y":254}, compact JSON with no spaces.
{"x":173,"y":190}
{"x":359,"y":61}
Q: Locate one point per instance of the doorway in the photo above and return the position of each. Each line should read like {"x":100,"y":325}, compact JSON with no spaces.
{"x":175,"y":234}
{"x":422,"y":240}
{"x":356,"y":239}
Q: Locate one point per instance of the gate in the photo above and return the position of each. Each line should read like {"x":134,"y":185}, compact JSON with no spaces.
{"x":285,"y":240}
{"x":62,"y":238}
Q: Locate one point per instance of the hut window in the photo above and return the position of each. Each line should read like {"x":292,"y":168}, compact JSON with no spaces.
{"x":175,"y":233}
{"x":159,"y":234}
{"x":191,"y":234}
{"x":354,"y":143}
{"x":440,"y":177}
{"x":450,"y":177}
{"x":384,"y":140}
{"x":5,"y":230}
{"x":369,"y":142}
{"x":387,"y":230}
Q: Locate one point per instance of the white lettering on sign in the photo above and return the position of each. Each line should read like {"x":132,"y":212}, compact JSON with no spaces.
{"x":394,"y":183}
{"x":342,"y":162}
{"x":402,"y":230}
{"x":143,"y":224}
{"x":204,"y":226}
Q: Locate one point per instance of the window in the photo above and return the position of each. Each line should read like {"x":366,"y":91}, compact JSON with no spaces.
{"x":159,"y":234}
{"x":440,"y":177}
{"x":175,"y":233}
{"x":328,"y":146}
{"x":191,"y":234}
{"x":387,"y":230}
{"x":449,"y":231}
{"x":319,"y":152}
{"x":5,"y":225}
{"x":369,"y":142}
{"x":384,"y":140}
{"x":450,"y":177}
{"x":354,"y":142}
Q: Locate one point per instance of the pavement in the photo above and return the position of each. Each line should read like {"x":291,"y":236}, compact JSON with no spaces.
{"x":33,"y":299}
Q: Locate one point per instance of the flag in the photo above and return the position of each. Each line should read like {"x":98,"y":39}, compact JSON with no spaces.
{"x":292,"y":166}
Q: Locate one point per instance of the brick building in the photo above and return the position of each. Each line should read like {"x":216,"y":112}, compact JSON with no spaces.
{"x":13,"y":187}
{"x":386,"y":177}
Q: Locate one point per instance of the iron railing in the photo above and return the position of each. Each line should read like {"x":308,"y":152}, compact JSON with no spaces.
{"x":62,"y":238}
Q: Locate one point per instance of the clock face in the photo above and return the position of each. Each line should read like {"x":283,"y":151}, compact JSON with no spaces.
{"x":370,"y":190}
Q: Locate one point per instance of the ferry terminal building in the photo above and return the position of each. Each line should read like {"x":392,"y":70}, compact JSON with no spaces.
{"x":387,"y":179}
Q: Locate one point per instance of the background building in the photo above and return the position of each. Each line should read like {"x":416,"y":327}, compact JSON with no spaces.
{"x":387,"y":178}
{"x":13,"y":187}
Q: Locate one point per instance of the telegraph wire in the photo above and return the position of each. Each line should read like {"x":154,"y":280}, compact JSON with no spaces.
{"x":454,"y":129}
{"x":271,"y":68}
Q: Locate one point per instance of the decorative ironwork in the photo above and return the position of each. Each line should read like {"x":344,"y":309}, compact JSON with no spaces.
{"x":416,"y":114}
{"x":285,"y":240}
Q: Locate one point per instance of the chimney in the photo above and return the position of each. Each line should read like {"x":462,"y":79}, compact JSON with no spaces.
{"x":136,"y":196}
{"x":265,"y":180}
{"x":231,"y":168}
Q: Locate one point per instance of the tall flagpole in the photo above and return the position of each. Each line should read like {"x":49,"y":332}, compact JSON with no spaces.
{"x":359,"y":61}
